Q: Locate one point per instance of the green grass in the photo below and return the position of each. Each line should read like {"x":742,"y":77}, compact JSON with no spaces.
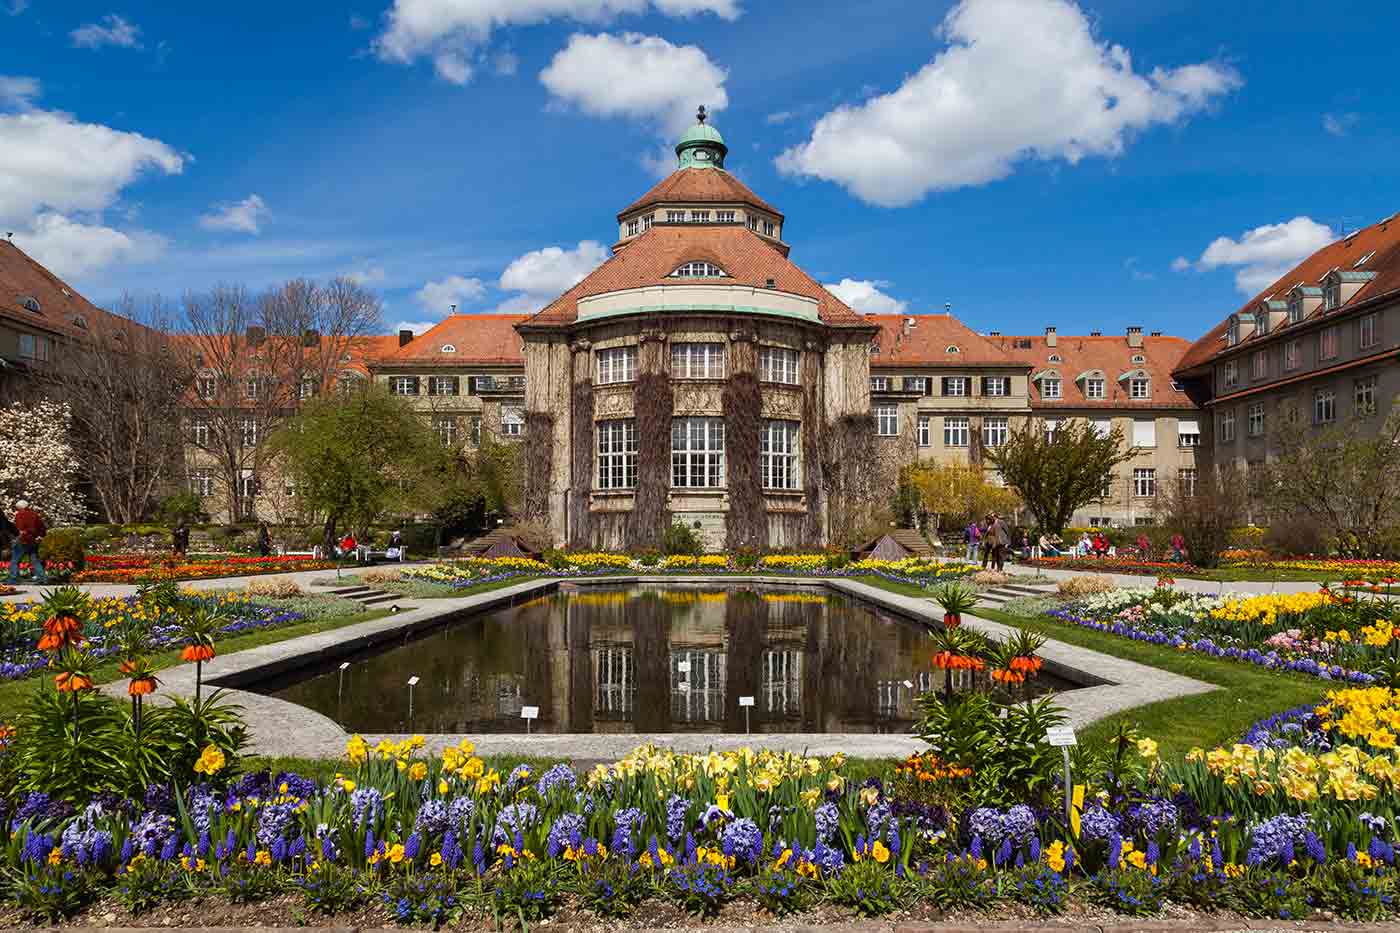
{"x":411,"y":588}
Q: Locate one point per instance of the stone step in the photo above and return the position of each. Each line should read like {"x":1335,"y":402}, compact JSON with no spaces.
{"x":377,"y":598}
{"x":350,"y":592}
{"x":1025,"y":589}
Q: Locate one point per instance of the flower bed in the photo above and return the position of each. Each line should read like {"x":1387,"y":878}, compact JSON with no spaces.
{"x":1235,"y":559}
{"x":1112,"y":565}
{"x":140,"y":568}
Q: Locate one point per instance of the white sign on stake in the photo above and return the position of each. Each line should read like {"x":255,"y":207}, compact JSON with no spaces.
{"x":909,"y":685}
{"x":344,"y":665}
{"x":529,"y":712}
{"x":413,"y":681}
{"x":746,"y":701}
{"x":1060,"y":736}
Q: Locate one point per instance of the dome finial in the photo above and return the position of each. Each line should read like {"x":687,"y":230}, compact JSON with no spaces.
{"x":700,"y":114}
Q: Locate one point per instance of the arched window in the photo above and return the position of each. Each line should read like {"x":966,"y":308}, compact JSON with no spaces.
{"x":448,"y":348}
{"x":952,"y":348}
{"x":1139,"y":359}
{"x":1055,"y":358}
{"x":698,"y":269}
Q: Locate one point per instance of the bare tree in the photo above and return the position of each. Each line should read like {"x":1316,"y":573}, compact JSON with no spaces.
{"x":124,"y":383}
{"x":1203,"y":507}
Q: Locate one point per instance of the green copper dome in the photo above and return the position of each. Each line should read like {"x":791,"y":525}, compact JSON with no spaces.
{"x":701,"y":146}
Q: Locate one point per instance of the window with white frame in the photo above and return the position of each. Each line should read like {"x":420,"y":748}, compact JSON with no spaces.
{"x":1295,"y":309}
{"x":778,"y":364}
{"x":1094,"y":387}
{"x":443,"y":385}
{"x":1186,"y":478}
{"x":887,"y":420}
{"x":917,"y":384}
{"x":646,"y":222}
{"x":995,"y":431}
{"x":617,"y":364}
{"x":634,"y":227}
{"x":1327,"y":343}
{"x":955,"y":431}
{"x":697,"y":361}
{"x":617,"y":454}
{"x":1261,"y":323}
{"x":1324,"y":406}
{"x":1139,"y":387}
{"x":925,"y":429}
{"x":1144,"y":482}
{"x":1366,"y":331}
{"x":956,"y":386}
{"x":1188,"y":433}
{"x":1292,"y":354}
{"x":1364,"y":395}
{"x":248,"y":491}
{"x":1332,"y":296}
{"x":769,"y":228}
{"x":1259,"y":364}
{"x":675,"y":217}
{"x":698,"y":269}
{"x":446,"y":428}
{"x":778,"y":454}
{"x":202,"y":482}
{"x":1103,"y":427}
{"x":1230,"y":373}
{"x":1254,"y":420}
{"x":1050,"y":387}
{"x":879,"y":383}
{"x":308,"y":388}
{"x":699,"y":217}
{"x":474,"y":430}
{"x":616,"y":671}
{"x":724,"y":217}
{"x":403,"y":385}
{"x":512,"y":421}
{"x":1232,"y":332}
{"x":248,"y":428}
{"x":1227,"y":425}
{"x":753,"y":222}
{"x":207,"y":387}
{"x":996,"y":386}
{"x":199,"y":432}
{"x":251,"y":387}
{"x":697,"y":453}
{"x":1051,"y":425}
{"x":1144,"y":432}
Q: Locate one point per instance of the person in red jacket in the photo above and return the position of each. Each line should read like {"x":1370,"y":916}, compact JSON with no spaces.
{"x":32,"y":529}
{"x":348,"y":545}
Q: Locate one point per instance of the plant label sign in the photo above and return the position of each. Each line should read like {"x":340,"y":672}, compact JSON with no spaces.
{"x":746,"y":701}
{"x":1060,"y":736}
{"x":413,"y":681}
{"x":529,"y":712}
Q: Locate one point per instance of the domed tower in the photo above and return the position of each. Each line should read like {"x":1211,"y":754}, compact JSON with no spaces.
{"x":701,"y":192}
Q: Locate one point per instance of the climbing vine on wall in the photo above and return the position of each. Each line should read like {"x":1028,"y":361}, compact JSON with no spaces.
{"x":539,"y":465}
{"x":653,"y":404}
{"x":583,"y":468}
{"x":746,"y":524}
{"x":812,"y":432}
{"x":851,"y":478}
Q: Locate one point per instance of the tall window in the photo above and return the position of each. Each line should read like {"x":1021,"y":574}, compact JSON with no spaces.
{"x":1232,"y":332}
{"x":697,"y":453}
{"x":994,"y":432}
{"x":887,"y":420}
{"x":1188,"y":434}
{"x":512,"y":421}
{"x":618,"y":364}
{"x":1324,"y":406}
{"x":1050,"y":387}
{"x":1293,"y":354}
{"x":1327,"y":343}
{"x":1230,"y":373}
{"x":1259,"y":364}
{"x":634,"y":227}
{"x":956,"y":386}
{"x":697,"y":360}
{"x":777,"y":364}
{"x":199,"y":432}
{"x":1366,"y":331}
{"x":1227,"y":425}
{"x":446,"y":428}
{"x":1093,"y":388}
{"x":996,"y":386}
{"x":202,"y":482}
{"x":925,"y":427}
{"x":33,"y":347}
{"x":474,"y":430}
{"x":443,"y":385}
{"x":1144,"y":482}
{"x":1186,"y":476}
{"x":917,"y":384}
{"x":404,"y":385}
{"x":251,"y":386}
{"x":1254,"y":420}
{"x":955,"y":432}
{"x":617,"y":454}
{"x":779,"y":455}
{"x":879,"y":383}
{"x":769,"y":228}
{"x":616,"y":671}
{"x":1139,"y":388}
{"x":1364,"y":390}
{"x":249,"y":429}
{"x":1332,"y":296}
{"x":308,"y":388}
{"x":208,"y":387}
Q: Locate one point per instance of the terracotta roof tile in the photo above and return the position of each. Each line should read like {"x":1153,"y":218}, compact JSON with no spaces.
{"x":927,"y":342}
{"x":60,"y":305}
{"x":476,"y":338}
{"x":705,"y":185}
{"x":1381,"y":239}
{"x":1109,"y":354}
{"x":651,"y":258}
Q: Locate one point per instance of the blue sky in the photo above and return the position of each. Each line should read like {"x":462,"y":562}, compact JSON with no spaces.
{"x":476,"y":151}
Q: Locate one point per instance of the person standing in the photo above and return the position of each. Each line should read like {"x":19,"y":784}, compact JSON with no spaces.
{"x":180,"y":540}
{"x":264,"y":541}
{"x":1001,"y":540}
{"x":31,"y":530}
{"x":972,"y":535}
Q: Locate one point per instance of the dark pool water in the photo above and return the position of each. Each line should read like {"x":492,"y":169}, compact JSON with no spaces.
{"x":642,"y":659}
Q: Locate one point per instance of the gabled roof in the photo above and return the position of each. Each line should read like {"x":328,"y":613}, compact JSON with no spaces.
{"x":1111,"y":355}
{"x":60,"y":305}
{"x":1380,"y":239}
{"x":474,"y":338}
{"x":927,"y":343}
{"x":745,"y":257}
{"x":704,"y":185}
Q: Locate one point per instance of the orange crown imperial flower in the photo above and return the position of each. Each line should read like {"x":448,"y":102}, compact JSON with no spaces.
{"x":72,"y":682}
{"x":197,"y":653}
{"x":141,"y":686}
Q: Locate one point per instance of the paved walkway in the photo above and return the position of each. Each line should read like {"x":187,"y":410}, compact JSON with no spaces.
{"x":1182,"y":583}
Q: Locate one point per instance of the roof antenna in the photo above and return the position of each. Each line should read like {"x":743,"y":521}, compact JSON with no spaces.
{"x":454,"y":309}
{"x":700,"y":114}
{"x":947,"y":307}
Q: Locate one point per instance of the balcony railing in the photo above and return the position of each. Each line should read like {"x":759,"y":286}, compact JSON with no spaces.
{"x":497,"y":385}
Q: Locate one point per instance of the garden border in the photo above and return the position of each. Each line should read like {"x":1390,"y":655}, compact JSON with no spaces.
{"x":281,"y":728}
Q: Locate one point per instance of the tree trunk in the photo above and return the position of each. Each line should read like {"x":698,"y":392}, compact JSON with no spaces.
{"x":328,"y":535}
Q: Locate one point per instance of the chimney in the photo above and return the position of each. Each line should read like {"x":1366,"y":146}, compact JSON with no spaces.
{"x":1134,"y":336}
{"x":405,"y":337}
{"x":908,"y":326}
{"x":1049,"y":336}
{"x":1156,"y":333}
{"x":255,"y":336}
{"x":994,"y":333}
{"x":1095,"y":333}
{"x":309,"y":338}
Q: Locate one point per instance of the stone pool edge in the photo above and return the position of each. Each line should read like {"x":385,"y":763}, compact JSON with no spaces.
{"x":279,"y":728}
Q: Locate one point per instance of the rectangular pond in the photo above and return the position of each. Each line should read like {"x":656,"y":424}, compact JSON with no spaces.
{"x":642,"y":659}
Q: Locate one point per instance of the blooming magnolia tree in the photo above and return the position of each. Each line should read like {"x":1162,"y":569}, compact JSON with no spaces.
{"x":37,"y":462}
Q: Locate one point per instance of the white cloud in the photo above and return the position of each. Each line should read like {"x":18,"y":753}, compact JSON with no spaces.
{"x":245,"y":216}
{"x":365,"y":275}
{"x":72,"y":249}
{"x":452,"y":67}
{"x":113,"y":30}
{"x":1263,"y":255}
{"x":779,"y":118}
{"x":1018,"y":80}
{"x":865,"y":296}
{"x":544,"y":274}
{"x":431,"y":28}
{"x":1340,"y":124}
{"x":439,"y":296}
{"x":635,"y":76}
{"x":418,"y":327}
{"x":17,"y":92}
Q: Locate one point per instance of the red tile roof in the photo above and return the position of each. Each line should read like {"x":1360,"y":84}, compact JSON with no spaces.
{"x":927,"y":343}
{"x":1109,"y":354}
{"x":746,"y":258}
{"x":1382,"y":239}
{"x":475,"y":338}
{"x":704,"y":185}
{"x":60,"y":305}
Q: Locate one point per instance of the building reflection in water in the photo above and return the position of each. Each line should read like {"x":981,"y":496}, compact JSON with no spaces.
{"x":642,"y":659}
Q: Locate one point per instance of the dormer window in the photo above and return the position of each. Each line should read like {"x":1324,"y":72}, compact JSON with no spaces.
{"x":1261,"y":323}
{"x":1332,"y":295}
{"x":1139,"y":388}
{"x":1295,"y":308}
{"x":1139,"y":359}
{"x":448,"y":348}
{"x":698,"y":270}
{"x":1094,"y":387}
{"x":28,"y":303}
{"x":1232,"y":332}
{"x":1055,"y":358}
{"x":952,"y":348}
{"x":634,"y":227}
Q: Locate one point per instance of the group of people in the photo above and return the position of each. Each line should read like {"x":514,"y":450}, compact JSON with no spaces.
{"x":988,"y":539}
{"x":22,"y":534}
